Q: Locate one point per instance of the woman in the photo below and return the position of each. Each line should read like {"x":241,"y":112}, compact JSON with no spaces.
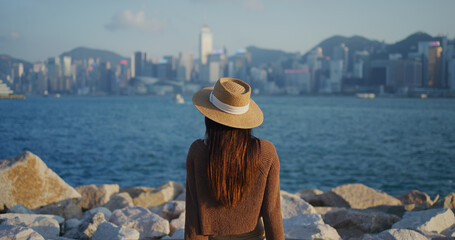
{"x":232,"y":177}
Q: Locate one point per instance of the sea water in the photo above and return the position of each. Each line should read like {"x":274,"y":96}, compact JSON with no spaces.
{"x":391,"y":144}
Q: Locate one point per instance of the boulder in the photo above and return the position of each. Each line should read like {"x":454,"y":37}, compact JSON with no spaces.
{"x":88,"y":227}
{"x":20,"y":209}
{"x":357,"y":196}
{"x":159,"y":196}
{"x":416,"y":197}
{"x":107,"y":230}
{"x":172,"y":209}
{"x":292,"y":205}
{"x":433,"y":220}
{"x":134,"y":192}
{"x":18,"y":232}
{"x":308,"y":226}
{"x":90,"y":213}
{"x":47,"y":226}
{"x":26,"y":180}
{"x":401,"y":234}
{"x":324,"y":210}
{"x":71,"y":228}
{"x":447,"y":202}
{"x":177,"y":224}
{"x":311,"y":196}
{"x":66,"y":208}
{"x":354,"y":223}
{"x":181,"y":196}
{"x":397,"y":210}
{"x":179,"y":234}
{"x":119,"y":201}
{"x":148,"y":224}
{"x":96,"y":195}
{"x":449,"y":232}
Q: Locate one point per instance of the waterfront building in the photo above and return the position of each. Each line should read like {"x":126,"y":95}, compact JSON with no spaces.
{"x":434,"y":77}
{"x":297,"y":80}
{"x":138,"y":61}
{"x":171,"y":67}
{"x":336,"y":75}
{"x":451,"y":74}
{"x":53,"y":73}
{"x":205,"y":44}
{"x":242,"y":61}
{"x":340,"y":52}
{"x":185,"y":66}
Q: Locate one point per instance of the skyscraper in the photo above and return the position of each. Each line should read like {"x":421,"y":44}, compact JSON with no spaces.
{"x":205,"y":43}
{"x":138,"y":63}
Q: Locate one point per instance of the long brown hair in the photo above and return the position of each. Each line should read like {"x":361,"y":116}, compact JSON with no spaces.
{"x":233,"y":159}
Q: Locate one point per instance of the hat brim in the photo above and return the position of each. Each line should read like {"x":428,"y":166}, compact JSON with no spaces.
{"x":251,"y":119}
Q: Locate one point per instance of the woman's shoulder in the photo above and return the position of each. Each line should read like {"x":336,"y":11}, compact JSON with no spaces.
{"x":267,"y":146}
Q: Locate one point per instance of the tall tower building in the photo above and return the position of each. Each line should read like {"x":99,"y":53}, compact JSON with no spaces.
{"x":205,"y":43}
{"x":138,"y":61}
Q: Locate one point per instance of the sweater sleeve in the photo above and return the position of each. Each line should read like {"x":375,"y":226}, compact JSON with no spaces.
{"x":191,"y":204}
{"x":271,"y":205}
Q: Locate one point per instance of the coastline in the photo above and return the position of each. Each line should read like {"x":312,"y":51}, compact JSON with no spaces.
{"x":13,"y":96}
{"x":32,"y":192}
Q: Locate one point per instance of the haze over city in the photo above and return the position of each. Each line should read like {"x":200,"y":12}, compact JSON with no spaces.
{"x":36,"y":30}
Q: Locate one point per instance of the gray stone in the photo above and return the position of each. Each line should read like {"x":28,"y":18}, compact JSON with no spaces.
{"x":176,"y":224}
{"x":26,"y":180}
{"x":179,"y":234}
{"x":182,"y":196}
{"x":449,"y":232}
{"x":446,"y":202}
{"x":401,"y":234}
{"x":20,"y":209}
{"x":148,"y":224}
{"x":172,"y":209}
{"x":357,"y":196}
{"x":134,"y":192}
{"x":11,"y":232}
{"x":107,"y":230}
{"x":159,"y":196}
{"x":432,"y":220}
{"x":292,"y":205}
{"x":311,"y":196}
{"x":398,"y":210}
{"x":70,"y":224}
{"x":119,"y":201}
{"x":324,"y":210}
{"x":46,"y":225}
{"x":416,"y":197}
{"x":66,"y":208}
{"x":90,"y":213}
{"x":354,"y":223}
{"x":88,"y":227}
{"x":313,"y":231}
{"x":96,"y":195}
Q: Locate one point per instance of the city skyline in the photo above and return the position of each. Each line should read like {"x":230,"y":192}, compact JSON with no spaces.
{"x":34,"y":31}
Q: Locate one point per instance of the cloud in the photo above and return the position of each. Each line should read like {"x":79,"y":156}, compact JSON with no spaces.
{"x":253,"y":5}
{"x":10,"y":37}
{"x":128,"y":19}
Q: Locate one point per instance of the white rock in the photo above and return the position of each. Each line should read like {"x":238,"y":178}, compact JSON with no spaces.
{"x":401,"y":234}
{"x":312,"y":231}
{"x":148,"y":224}
{"x":96,"y":195}
{"x":107,"y":230}
{"x":357,"y":196}
{"x":20,"y":209}
{"x":90,"y":213}
{"x":172,"y":209}
{"x":292,"y":205}
{"x":159,"y":196}
{"x":26,"y":180}
{"x":8,"y":232}
{"x":46,"y":225}
{"x":119,"y":201}
{"x":88,"y":227}
{"x":432,"y":220}
{"x":178,"y":223}
{"x":302,"y":220}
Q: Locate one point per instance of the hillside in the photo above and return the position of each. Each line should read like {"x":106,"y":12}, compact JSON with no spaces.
{"x":7,"y":63}
{"x":409,"y":44}
{"x":82,"y":53}
{"x":263,"y":56}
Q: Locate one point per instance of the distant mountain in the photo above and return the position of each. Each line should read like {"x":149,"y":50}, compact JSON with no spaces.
{"x":82,"y":53}
{"x":409,"y":44}
{"x":263,"y":56}
{"x":7,"y":63}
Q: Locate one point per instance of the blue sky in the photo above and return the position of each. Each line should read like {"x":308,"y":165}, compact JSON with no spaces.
{"x":34,"y":30}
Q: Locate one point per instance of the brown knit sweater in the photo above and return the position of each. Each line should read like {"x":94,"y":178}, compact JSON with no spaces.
{"x":205,"y":217}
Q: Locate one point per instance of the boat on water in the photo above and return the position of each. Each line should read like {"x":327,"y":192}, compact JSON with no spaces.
{"x":179,"y":99}
{"x":365,"y":95}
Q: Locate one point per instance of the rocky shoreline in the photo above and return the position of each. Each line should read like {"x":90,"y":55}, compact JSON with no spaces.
{"x":35,"y":203}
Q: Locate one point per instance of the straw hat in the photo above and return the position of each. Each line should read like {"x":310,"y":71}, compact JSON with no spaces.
{"x":229,"y":103}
